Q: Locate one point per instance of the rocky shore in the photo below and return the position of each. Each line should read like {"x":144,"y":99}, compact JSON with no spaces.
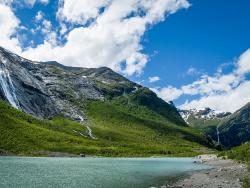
{"x":225,"y":173}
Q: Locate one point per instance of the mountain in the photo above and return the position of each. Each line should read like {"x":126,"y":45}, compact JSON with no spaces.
{"x":46,"y":89}
{"x":205,"y":120}
{"x":236,"y":129}
{"x":56,"y":108}
{"x":205,"y":114}
{"x":226,"y":129}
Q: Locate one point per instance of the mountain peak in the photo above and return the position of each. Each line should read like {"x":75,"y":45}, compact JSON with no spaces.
{"x":46,"y":89}
{"x":202,"y":114}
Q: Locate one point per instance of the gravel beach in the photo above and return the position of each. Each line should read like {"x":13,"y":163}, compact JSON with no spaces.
{"x":225,"y":173}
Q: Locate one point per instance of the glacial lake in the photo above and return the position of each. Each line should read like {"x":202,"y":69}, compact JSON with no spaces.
{"x":31,"y":172}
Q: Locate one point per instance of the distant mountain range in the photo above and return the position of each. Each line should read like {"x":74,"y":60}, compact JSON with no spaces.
{"x":202,"y":114}
{"x":224,"y":128}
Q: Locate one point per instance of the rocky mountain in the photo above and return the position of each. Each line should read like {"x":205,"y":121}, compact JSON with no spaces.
{"x":46,"y":89}
{"x":236,"y":129}
{"x":207,"y":121}
{"x":56,"y":108}
{"x":224,"y":128}
{"x":204,"y":114}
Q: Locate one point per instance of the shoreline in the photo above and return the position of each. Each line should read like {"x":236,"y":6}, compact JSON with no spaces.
{"x":225,"y":173}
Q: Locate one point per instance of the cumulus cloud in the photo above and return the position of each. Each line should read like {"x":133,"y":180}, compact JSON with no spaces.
{"x":224,"y":92}
{"x":244,"y":63}
{"x":113,"y":36}
{"x":80,"y":12}
{"x":227,"y":101}
{"x":8,"y":27}
{"x":168,"y":93}
{"x":153,"y":79}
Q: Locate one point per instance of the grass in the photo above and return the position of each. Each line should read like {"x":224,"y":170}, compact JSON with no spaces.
{"x":121,"y":131}
{"x":208,"y":127}
{"x":240,"y":153}
{"x":245,"y":182}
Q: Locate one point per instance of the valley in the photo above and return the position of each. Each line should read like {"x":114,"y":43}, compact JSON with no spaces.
{"x":49,"y":108}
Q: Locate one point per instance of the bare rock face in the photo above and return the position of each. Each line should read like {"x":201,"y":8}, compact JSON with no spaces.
{"x":45,"y":89}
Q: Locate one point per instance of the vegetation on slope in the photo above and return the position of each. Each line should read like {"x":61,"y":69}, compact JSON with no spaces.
{"x":122,"y":130}
{"x":207,"y":126}
{"x":240,"y":153}
{"x":236,"y":129}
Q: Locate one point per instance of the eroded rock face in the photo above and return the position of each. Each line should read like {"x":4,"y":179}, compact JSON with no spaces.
{"x":44,"y":89}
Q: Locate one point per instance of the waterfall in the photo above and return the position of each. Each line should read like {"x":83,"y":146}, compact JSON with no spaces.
{"x":218,"y":134}
{"x":89,"y":130}
{"x":8,"y":87}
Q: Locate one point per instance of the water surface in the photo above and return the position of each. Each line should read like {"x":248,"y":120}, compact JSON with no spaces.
{"x":29,"y":172}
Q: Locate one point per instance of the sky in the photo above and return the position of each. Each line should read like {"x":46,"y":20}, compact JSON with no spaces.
{"x":193,"y":52}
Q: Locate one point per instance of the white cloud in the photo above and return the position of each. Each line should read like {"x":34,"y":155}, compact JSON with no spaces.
{"x":227,"y":101}
{"x":244,"y":63}
{"x":112,"y":40}
{"x":39,"y":16}
{"x":8,"y":27}
{"x":168,"y":93}
{"x":63,"y":29}
{"x":45,"y":2}
{"x":31,"y":3}
{"x":47,"y":26}
{"x":153,"y":79}
{"x":193,"y":72}
{"x":224,"y":92}
{"x":80,"y":11}
{"x":6,"y":2}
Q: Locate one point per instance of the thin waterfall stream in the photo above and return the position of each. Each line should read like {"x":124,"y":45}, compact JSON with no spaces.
{"x":8,"y":87}
{"x":218,"y":134}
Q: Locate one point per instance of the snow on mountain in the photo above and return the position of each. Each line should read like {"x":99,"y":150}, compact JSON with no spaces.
{"x":204,"y":114}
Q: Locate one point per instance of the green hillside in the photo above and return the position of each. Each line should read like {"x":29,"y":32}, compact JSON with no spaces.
{"x":121,"y":129}
{"x":240,"y":153}
{"x":207,"y":126}
{"x":236,"y":130}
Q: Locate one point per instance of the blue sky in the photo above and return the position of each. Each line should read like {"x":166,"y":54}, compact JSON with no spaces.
{"x":206,"y":35}
{"x":194,"y":52}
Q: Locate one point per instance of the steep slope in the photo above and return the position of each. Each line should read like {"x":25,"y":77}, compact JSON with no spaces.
{"x":114,"y":116}
{"x":206,"y":120}
{"x":240,"y":153}
{"x":236,"y":130}
{"x":121,"y":131}
{"x":46,"y":89}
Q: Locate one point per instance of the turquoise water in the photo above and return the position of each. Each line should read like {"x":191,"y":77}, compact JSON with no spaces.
{"x":29,"y":172}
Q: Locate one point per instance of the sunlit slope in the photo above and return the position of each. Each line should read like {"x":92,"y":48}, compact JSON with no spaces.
{"x":122,"y":130}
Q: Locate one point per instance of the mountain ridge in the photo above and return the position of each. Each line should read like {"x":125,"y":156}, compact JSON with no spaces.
{"x":58,"y":88}
{"x":90,"y":111}
{"x":235,"y":130}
